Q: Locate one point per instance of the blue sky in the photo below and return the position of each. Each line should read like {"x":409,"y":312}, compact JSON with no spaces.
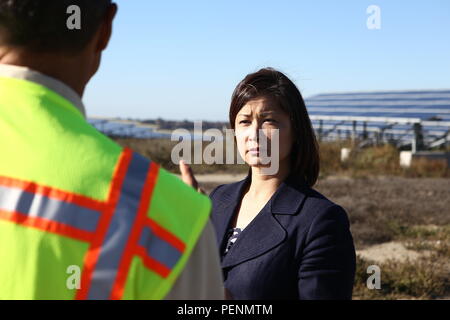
{"x":182,"y":59}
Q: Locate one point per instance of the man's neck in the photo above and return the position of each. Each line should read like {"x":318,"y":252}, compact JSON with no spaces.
{"x":63,"y":69}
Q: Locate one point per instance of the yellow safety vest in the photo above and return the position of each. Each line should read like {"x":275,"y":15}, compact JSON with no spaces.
{"x":81,"y":217}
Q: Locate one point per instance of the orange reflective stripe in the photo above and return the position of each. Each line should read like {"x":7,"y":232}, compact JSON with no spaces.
{"x":94,"y":251}
{"x":113,"y":247}
{"x":117,"y":229}
{"x":152,"y":177}
{"x":48,"y":209}
{"x":54,"y":193}
{"x":151,"y":263}
{"x":46,"y":225}
{"x":165,"y":234}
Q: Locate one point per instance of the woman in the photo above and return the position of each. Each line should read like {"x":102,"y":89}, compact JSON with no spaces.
{"x":279,"y":238}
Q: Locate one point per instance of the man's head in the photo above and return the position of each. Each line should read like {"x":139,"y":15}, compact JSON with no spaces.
{"x":35,"y":33}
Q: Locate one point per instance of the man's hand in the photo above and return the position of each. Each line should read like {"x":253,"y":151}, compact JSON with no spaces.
{"x":188,"y":176}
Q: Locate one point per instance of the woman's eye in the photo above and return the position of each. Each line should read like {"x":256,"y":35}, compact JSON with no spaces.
{"x":244,"y":121}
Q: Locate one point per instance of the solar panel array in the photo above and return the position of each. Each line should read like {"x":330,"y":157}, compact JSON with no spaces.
{"x":118,"y":128}
{"x":401,"y":117}
{"x":126,"y":129}
{"x":420,"y":119}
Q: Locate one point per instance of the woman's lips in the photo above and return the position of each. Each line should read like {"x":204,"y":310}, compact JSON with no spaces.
{"x":254,"y":151}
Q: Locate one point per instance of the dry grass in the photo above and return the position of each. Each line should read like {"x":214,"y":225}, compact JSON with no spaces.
{"x":384,"y":209}
{"x":427,"y":278}
{"x":374,"y":161}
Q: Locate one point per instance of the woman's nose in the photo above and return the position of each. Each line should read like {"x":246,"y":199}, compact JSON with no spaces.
{"x":253,"y":132}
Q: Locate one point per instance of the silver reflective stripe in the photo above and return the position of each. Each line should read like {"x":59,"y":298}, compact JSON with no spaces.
{"x":36,"y":205}
{"x":119,"y":230}
{"x":158,"y":249}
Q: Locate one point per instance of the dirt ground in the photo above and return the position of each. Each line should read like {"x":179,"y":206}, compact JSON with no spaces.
{"x":401,"y":224}
{"x":380,"y":209}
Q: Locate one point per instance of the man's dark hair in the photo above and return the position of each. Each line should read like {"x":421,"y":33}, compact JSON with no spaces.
{"x":41,"y":25}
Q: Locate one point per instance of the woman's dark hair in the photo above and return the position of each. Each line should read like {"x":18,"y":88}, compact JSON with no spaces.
{"x":272,"y":84}
{"x":41,"y":25}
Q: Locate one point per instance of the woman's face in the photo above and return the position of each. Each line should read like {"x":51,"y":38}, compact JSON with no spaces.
{"x":260,"y":119}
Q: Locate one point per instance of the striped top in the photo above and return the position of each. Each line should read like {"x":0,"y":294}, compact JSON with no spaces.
{"x":232,"y":235}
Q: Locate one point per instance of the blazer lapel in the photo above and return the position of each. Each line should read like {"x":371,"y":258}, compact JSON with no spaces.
{"x":265,"y":232}
{"x":225,"y":208}
{"x":290,"y":196}
{"x":260,"y":236}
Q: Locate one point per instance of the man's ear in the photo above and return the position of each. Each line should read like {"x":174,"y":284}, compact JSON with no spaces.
{"x":105,"y":29}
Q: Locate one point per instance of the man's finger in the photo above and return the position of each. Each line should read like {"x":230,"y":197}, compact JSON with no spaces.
{"x":187,"y":175}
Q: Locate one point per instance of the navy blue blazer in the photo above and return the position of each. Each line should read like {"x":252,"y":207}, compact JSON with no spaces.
{"x":298,"y":247}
